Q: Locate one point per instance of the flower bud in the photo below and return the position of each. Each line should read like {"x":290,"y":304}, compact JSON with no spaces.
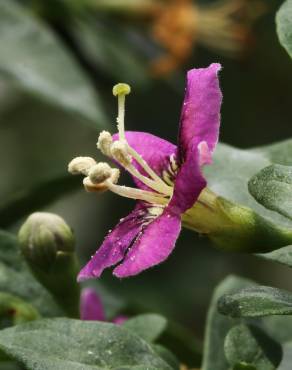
{"x":47,"y":244}
{"x":43,"y":236}
{"x":81,"y":165}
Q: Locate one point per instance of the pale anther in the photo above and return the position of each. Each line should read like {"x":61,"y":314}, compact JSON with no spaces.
{"x":119,"y":151}
{"x":115,"y":175}
{"x":104,"y":142}
{"x":100,"y":172}
{"x":81,"y":165}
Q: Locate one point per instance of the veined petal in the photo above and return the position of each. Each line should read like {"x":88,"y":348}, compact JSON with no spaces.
{"x":154,"y":150}
{"x":91,"y":307}
{"x":115,"y":245}
{"x":189,"y":181}
{"x":200,"y":116}
{"x":152,"y":247}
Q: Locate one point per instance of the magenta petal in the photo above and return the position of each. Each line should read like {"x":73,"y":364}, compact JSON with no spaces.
{"x":115,"y":245}
{"x":189,"y":181}
{"x":200,"y":116}
{"x":154,"y":150}
{"x":153,"y":246}
{"x":91,"y":307}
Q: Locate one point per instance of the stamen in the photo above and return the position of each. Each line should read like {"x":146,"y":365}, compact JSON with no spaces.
{"x":166,"y":189}
{"x":124,"y":191}
{"x":90,"y":186}
{"x":157,"y":186}
{"x":121,"y":90}
{"x":100,"y":172}
{"x":138,"y":194}
{"x":119,"y":151}
{"x":81,"y":165}
{"x":104,"y":143}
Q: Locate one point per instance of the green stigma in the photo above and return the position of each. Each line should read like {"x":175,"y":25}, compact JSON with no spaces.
{"x":121,"y":89}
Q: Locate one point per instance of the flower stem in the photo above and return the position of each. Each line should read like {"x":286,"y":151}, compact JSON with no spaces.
{"x":233,"y":227}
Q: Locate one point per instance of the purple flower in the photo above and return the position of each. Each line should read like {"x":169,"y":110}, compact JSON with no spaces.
{"x":169,"y":179}
{"x":91,"y":307}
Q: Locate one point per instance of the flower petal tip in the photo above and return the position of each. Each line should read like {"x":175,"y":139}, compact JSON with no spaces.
{"x":85,"y":275}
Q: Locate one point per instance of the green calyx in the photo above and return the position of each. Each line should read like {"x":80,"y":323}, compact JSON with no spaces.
{"x":233,"y":227}
{"x":47,"y":243}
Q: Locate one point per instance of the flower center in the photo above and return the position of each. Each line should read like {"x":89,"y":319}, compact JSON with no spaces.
{"x":101,"y":177}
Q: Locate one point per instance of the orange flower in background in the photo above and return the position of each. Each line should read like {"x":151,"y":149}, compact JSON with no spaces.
{"x":178,"y":26}
{"x":224,"y":26}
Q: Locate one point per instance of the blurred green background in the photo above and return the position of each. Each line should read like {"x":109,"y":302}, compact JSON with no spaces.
{"x":38,"y":139}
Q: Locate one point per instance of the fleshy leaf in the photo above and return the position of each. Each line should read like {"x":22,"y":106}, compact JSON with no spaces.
{"x":248,"y":347}
{"x":256,"y":302}
{"x":232,"y":168}
{"x":282,"y":255}
{"x":287,"y":357}
{"x":272,"y":187}
{"x":284,"y":25}
{"x":167,"y":356}
{"x":72,"y":344}
{"x":33,"y":58}
{"x":218,"y":326}
{"x":148,"y":326}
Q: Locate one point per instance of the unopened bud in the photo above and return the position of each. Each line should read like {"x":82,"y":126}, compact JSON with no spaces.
{"x":119,"y":151}
{"x":42,"y":237}
{"x":81,"y":165}
{"x":121,"y":89}
{"x":47,"y":244}
{"x":99,"y":173}
{"x":104,"y":142}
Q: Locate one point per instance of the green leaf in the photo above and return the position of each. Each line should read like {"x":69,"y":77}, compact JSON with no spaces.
{"x":8,"y":365}
{"x":232,"y":168}
{"x":284,"y":25}
{"x":32,"y":57}
{"x":167,"y":356}
{"x":287,"y":357}
{"x":148,"y":326}
{"x":218,"y":326}
{"x":36,"y":197}
{"x":78,"y":345}
{"x":272,"y":187}
{"x":282,"y":255}
{"x":256,"y":302}
{"x":16,"y":279}
{"x":248,"y":347}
